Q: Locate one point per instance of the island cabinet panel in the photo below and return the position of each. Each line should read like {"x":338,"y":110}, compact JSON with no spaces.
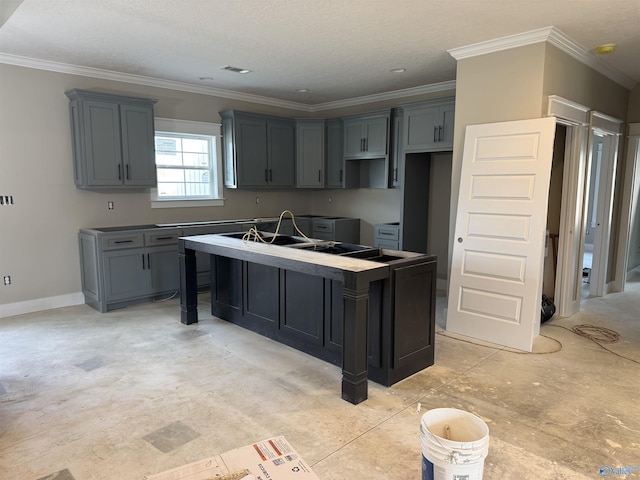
{"x":303,"y":313}
{"x":226,"y":287}
{"x":262,"y":305}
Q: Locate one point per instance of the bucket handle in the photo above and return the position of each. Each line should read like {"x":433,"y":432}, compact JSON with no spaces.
{"x":454,"y":455}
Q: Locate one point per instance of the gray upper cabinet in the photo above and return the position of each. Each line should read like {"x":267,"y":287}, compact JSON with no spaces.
{"x":366,"y":136}
{"x":335,"y":154}
{"x":397,"y":159}
{"x":428,"y":126}
{"x":310,"y":156}
{"x":113,"y":140}
{"x":259,"y":150}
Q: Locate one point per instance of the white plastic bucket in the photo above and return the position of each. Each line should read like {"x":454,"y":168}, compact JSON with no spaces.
{"x":454,"y":445}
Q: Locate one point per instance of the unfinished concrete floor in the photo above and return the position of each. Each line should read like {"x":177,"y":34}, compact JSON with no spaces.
{"x":85,"y":395}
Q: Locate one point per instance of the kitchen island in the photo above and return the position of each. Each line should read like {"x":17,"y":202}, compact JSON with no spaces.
{"x":301,"y":292}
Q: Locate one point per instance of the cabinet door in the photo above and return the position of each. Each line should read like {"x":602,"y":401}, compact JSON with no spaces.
{"x":398,"y":152}
{"x":281,"y":156}
{"x":421,"y":129}
{"x":138,"y":148}
{"x":125,"y":274}
{"x":354,"y":137}
{"x":251,"y":144}
{"x":230,"y":160}
{"x":375,"y":144}
{"x":310,"y":154}
{"x":102,"y":143}
{"x":448,"y":120}
{"x":335,"y":155}
{"x":163,"y":269}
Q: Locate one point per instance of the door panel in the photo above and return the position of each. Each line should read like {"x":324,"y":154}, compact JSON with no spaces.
{"x":498,"y":251}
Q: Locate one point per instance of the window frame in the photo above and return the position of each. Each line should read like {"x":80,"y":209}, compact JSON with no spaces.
{"x":189,"y":127}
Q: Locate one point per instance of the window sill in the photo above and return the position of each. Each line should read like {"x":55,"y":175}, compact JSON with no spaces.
{"x":214,"y":202}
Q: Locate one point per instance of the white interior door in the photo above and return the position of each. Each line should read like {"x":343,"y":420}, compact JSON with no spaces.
{"x":497,"y":261}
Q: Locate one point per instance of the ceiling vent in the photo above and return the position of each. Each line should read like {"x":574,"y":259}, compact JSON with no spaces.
{"x":235,"y":69}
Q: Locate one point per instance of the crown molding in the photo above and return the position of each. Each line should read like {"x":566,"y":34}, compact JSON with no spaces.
{"x":147,"y":81}
{"x":217,"y":92}
{"x":380,"y":97}
{"x":554,"y":37}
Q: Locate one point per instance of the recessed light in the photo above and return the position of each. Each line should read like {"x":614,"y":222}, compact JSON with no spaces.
{"x":205,"y":78}
{"x":398,"y":70}
{"x":302,"y":90}
{"x":235,"y":69}
{"x":604,"y":49}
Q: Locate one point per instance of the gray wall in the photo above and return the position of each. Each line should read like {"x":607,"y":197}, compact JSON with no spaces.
{"x":38,"y":244}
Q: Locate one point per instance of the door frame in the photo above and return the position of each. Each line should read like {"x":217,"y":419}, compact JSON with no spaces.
{"x":610,"y":129}
{"x":570,"y":236}
{"x":632,"y":170}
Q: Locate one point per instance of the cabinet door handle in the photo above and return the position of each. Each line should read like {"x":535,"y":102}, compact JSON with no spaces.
{"x":127,"y":170}
{"x":164,"y":238}
{"x":435,"y":133}
{"x":266,"y":174}
{"x":395,"y":174}
{"x":440,"y":132}
{"x":123,"y":241}
{"x":119,"y":174}
{"x":319,"y":173}
{"x":142,"y":261}
{"x":148,"y":262}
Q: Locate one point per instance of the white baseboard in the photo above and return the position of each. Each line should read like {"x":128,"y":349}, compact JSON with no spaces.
{"x":39,"y":304}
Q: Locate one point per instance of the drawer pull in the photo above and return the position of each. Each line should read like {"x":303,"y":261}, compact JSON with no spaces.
{"x":165,"y":238}
{"x":389,"y":234}
{"x":123,"y":241}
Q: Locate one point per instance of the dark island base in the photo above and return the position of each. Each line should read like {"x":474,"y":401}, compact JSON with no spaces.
{"x":306,"y":312}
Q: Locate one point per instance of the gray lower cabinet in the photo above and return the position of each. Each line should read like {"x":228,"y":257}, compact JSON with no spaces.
{"x":123,"y":267}
{"x":336,"y":229}
{"x":112,"y":139}
{"x":387,"y":235}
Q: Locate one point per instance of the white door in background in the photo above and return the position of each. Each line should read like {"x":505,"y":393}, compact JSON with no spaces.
{"x":495,"y":289}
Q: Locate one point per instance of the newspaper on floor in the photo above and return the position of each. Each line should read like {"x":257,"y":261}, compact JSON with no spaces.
{"x":271,"y":459}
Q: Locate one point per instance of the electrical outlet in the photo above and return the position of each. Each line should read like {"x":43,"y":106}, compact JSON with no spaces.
{"x":7,"y":279}
{"x":330,"y":199}
{"x":6,"y":199}
{"x":257,"y":199}
{"x":110,"y":205}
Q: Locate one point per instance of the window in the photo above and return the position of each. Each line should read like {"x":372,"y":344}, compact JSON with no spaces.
{"x":188,"y":164}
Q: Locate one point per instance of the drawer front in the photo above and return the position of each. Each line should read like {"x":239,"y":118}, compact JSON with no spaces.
{"x":390,"y":244}
{"x":123,"y":240}
{"x":162,"y":237}
{"x":387,"y":232}
{"x":323,"y":225}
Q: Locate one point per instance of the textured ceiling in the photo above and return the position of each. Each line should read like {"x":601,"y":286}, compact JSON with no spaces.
{"x":338,"y":49}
